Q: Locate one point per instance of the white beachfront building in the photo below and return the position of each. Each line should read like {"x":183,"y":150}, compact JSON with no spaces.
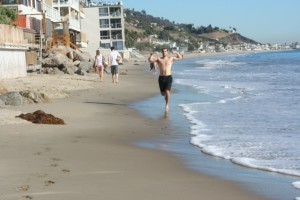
{"x":44,"y":16}
{"x":40,"y":21}
{"x":104,"y":25}
{"x":33,"y":19}
{"x":34,"y":15}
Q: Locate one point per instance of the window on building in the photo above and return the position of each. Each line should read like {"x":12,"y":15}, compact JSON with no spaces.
{"x":115,"y":11}
{"x":118,"y":45}
{"x":7,"y":2}
{"x":105,"y":45}
{"x":116,"y":35}
{"x":103,"y":11}
{"x":104,"y":23}
{"x":64,"y":12}
{"x":104,"y":35}
{"x":115,"y":23}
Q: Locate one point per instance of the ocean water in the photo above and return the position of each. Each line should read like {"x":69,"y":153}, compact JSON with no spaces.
{"x":244,"y":109}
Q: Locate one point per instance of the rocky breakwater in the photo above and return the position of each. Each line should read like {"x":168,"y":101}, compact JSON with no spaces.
{"x":65,"y":60}
{"x":19,"y":98}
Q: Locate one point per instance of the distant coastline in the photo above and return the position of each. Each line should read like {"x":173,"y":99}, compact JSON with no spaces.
{"x":203,"y":54}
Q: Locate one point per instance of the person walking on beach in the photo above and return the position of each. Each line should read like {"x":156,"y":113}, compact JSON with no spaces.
{"x":114,"y":59}
{"x":165,"y":79}
{"x":99,"y":59}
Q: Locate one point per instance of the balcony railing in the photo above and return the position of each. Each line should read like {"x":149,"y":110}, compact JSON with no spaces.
{"x":105,"y":3}
{"x":51,"y":12}
{"x":103,"y":14}
{"x":116,"y":25}
{"x":116,"y":37}
{"x":106,"y":37}
{"x":115,"y":14}
{"x":67,"y":3}
{"x":104,"y":26}
{"x":74,"y":23}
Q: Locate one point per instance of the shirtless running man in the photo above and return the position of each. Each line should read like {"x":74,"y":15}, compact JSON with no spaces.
{"x":165,"y":79}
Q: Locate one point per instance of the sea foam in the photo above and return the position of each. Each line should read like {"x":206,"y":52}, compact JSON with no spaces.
{"x":296,"y":184}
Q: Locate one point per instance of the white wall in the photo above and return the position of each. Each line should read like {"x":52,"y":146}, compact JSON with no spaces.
{"x":12,"y":63}
{"x":90,"y":25}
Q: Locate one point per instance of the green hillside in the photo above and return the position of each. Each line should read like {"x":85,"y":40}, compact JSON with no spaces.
{"x":140,"y":28}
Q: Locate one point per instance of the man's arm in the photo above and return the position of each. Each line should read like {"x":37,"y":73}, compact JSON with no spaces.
{"x":109,"y":60}
{"x":177,"y":57}
{"x":151,"y":58}
{"x":119,"y":58}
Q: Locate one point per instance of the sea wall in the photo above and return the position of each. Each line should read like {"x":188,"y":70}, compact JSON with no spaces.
{"x":12,"y":62}
{"x":12,"y":52}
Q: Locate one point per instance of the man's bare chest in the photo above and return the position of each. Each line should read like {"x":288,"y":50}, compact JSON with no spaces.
{"x":165,"y":62}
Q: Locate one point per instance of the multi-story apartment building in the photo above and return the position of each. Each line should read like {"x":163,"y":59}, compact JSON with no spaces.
{"x":31,"y":14}
{"x":46,"y":16}
{"x":104,"y":25}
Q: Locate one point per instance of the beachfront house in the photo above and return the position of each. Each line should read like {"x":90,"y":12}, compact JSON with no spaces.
{"x":48,"y":18}
{"x":104,"y":26}
{"x":45,"y":23}
{"x":25,"y":42}
{"x":34,"y":15}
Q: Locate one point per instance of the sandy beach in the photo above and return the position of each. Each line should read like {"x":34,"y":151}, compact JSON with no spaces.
{"x":92,"y":156}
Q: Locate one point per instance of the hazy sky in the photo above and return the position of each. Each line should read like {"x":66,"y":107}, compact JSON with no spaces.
{"x":266,"y":21}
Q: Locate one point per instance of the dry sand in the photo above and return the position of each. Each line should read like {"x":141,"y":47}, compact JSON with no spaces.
{"x":92,"y":156}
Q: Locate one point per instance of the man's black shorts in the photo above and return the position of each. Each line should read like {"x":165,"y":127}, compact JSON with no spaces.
{"x":165,"y":83}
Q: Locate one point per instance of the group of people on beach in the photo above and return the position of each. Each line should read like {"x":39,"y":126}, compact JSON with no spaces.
{"x":163,"y":63}
{"x":114,"y":59}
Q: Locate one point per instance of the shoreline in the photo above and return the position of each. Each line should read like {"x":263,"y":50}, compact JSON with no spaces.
{"x":93,"y":157}
{"x":177,"y":142}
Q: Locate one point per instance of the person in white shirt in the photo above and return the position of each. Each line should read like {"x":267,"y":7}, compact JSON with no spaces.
{"x":114,"y":59}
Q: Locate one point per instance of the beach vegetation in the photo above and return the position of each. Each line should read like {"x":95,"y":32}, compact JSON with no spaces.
{"x":145,"y":47}
{"x":160,"y":47}
{"x":7,"y":15}
{"x":163,"y":35}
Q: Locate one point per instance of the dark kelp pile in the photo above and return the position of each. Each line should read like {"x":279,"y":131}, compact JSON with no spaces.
{"x":40,"y":117}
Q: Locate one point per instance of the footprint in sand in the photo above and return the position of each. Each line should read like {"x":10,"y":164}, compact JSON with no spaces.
{"x":37,"y":153}
{"x":26,"y":197}
{"x":49,"y":182}
{"x":77,"y":138}
{"x":47,"y":149}
{"x":41,"y":175}
{"x":65,"y":170}
{"x":23,"y":188}
{"x":56,"y":159}
{"x":81,"y":137}
{"x":53,"y":165}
